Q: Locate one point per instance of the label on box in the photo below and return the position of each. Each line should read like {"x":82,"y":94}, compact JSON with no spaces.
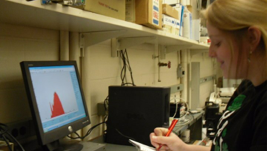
{"x":177,"y":23}
{"x":166,"y":20}
{"x":170,"y":24}
{"x":155,"y":14}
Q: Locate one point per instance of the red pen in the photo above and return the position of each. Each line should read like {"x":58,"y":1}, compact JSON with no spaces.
{"x":170,"y":129}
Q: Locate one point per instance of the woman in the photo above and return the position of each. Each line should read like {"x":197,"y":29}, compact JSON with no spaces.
{"x":238,"y":34}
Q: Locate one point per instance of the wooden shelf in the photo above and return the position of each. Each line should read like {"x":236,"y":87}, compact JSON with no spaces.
{"x":58,"y":17}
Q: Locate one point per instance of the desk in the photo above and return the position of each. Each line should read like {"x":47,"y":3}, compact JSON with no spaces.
{"x":194,"y":124}
{"x":99,"y":145}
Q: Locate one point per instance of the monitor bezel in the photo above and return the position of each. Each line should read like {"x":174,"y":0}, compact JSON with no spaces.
{"x":45,"y":138}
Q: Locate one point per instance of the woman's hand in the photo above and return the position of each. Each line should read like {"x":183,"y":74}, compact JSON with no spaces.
{"x":172,"y":142}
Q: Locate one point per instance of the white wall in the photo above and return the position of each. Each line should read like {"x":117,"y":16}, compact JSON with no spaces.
{"x":19,"y":43}
{"x":100,"y":70}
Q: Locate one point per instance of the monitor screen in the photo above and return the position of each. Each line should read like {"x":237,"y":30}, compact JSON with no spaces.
{"x":56,"y":98}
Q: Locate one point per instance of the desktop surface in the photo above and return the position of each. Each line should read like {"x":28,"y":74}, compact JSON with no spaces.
{"x":98,"y":144}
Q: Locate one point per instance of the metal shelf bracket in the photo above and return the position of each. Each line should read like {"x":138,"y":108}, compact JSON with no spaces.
{"x":91,"y":38}
{"x":123,"y":43}
{"x":168,"y":49}
{"x":197,"y":51}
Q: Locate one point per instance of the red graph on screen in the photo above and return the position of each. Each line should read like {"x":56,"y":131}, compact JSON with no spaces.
{"x":56,"y":108}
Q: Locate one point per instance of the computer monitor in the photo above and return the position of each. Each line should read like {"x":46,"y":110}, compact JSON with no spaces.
{"x":56,"y":100}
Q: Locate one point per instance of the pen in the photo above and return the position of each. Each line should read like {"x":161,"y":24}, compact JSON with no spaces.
{"x":170,"y":129}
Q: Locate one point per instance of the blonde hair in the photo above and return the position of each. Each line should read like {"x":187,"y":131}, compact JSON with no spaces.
{"x":233,"y":16}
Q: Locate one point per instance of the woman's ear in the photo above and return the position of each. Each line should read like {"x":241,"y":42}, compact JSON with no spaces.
{"x":254,"y":35}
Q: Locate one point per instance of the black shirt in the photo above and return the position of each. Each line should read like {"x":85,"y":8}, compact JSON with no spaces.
{"x":243,"y":125}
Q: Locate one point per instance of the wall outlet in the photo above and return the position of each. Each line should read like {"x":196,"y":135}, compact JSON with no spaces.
{"x":180,"y":71}
{"x":101,"y":109}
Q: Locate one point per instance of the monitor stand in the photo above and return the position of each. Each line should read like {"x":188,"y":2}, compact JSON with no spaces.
{"x":57,"y":146}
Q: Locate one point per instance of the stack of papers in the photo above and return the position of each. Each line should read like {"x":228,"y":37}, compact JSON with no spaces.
{"x":141,"y":147}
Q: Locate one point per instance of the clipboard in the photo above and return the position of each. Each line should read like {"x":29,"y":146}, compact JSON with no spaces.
{"x":141,"y":147}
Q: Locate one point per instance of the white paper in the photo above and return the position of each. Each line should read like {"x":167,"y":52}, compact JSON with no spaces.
{"x":141,"y":147}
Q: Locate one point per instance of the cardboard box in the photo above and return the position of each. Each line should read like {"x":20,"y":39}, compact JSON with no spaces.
{"x":111,"y":8}
{"x":170,"y":11}
{"x":177,"y":29}
{"x":130,"y":11}
{"x":170,"y":24}
{"x":149,"y":13}
{"x":167,"y":24}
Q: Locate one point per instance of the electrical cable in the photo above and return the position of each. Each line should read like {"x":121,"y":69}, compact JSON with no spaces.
{"x":180,"y":123}
{"x":106,"y":103}
{"x":176,"y":107}
{"x":2,"y":132}
{"x":16,"y":141}
{"x":119,"y":132}
{"x":5,"y":128}
{"x":5,"y":139}
{"x":192,"y":115}
{"x":126,"y":65}
{"x":88,"y":132}
{"x":7,"y":142}
{"x":129,"y":67}
{"x":128,"y":137}
{"x":92,"y":128}
{"x":123,"y":67}
{"x":123,"y":71}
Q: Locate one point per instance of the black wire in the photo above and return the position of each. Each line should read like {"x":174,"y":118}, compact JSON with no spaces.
{"x":92,"y":128}
{"x":77,"y":134}
{"x":105,"y":118}
{"x":6,"y":140}
{"x":126,"y":65}
{"x":106,"y":103}
{"x":16,"y":141}
{"x":5,"y":128}
{"x":88,"y":132}
{"x":123,"y":70}
{"x":123,"y":135}
{"x":129,"y":67}
{"x":128,"y":137}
